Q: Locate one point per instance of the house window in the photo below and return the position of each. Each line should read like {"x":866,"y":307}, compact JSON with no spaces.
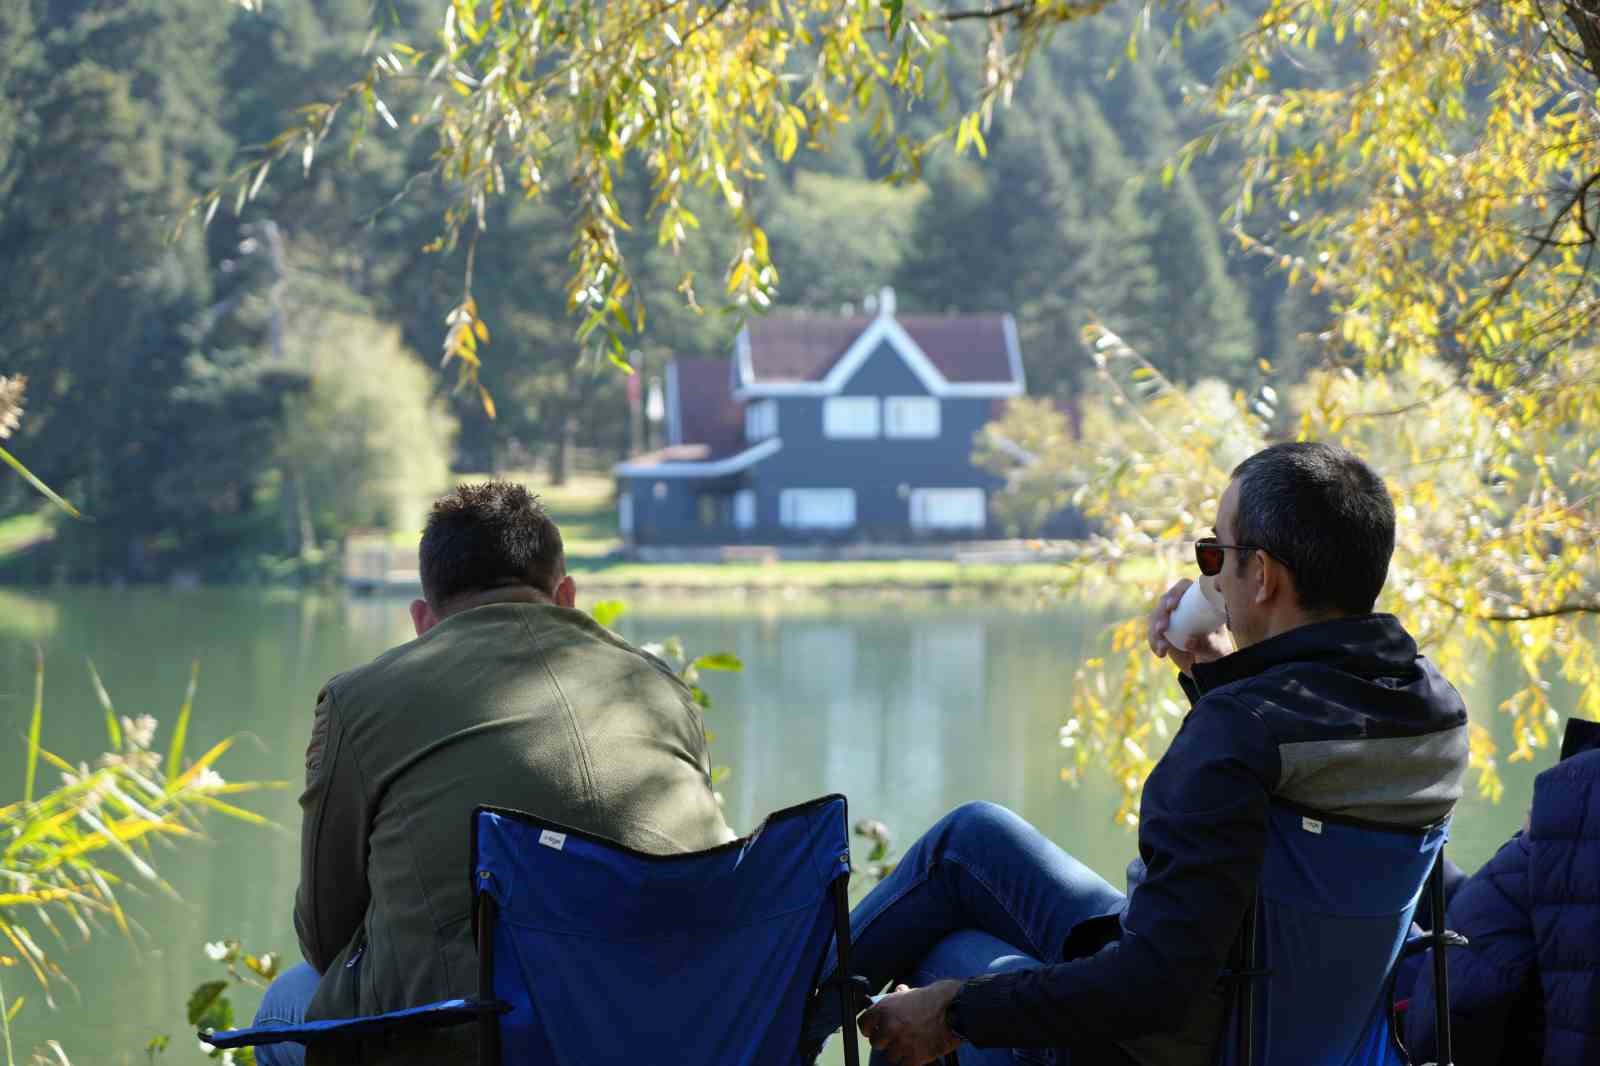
{"x":817,"y":508}
{"x":941,"y":509}
{"x":850,"y":417}
{"x":761,"y":420}
{"x":911,"y":416}
{"x":625,"y":512}
{"x":744,"y":509}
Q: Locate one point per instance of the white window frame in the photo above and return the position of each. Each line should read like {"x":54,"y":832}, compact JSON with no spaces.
{"x":911,"y":417}
{"x":817,"y":508}
{"x":922,"y":500}
{"x":744,"y":509}
{"x":760,"y":420}
{"x":850,"y":417}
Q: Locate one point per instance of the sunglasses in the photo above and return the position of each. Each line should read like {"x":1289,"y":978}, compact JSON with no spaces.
{"x":1208,"y":554}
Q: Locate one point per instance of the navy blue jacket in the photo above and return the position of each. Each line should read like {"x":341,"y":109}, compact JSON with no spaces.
{"x":1526,"y":989}
{"x":1341,"y":716}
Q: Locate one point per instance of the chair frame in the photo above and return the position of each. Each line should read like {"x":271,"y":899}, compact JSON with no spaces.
{"x":485,"y":912}
{"x":1438,"y":938}
{"x":485,"y":1010}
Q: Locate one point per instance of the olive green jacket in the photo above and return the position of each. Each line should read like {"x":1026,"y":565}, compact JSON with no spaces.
{"x":522,"y":705}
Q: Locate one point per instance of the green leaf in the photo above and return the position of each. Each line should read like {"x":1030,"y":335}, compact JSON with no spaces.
{"x":896,"y":10}
{"x":209,"y":1007}
{"x":607,"y":612}
{"x":113,"y":730}
{"x":180,"y":732}
{"x":722,"y":660}
{"x":15,"y":464}
{"x":34,"y":725}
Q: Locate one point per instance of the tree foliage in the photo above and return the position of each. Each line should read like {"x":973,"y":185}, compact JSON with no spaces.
{"x":701,"y":95}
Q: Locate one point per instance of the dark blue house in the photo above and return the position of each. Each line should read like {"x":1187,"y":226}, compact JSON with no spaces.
{"x":828,"y":429}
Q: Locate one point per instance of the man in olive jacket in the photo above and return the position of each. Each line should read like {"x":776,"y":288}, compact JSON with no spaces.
{"x":508,"y":696}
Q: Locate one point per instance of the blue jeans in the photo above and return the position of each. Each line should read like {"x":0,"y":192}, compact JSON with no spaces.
{"x":285,"y":1003}
{"x":981,"y":892}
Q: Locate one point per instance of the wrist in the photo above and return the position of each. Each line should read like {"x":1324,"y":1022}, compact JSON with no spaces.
{"x":952,"y":1016}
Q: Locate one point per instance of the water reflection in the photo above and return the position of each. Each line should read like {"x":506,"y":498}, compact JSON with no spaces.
{"x":907,"y":707}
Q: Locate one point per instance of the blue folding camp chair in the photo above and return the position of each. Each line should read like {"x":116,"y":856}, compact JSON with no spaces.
{"x":591,"y":952}
{"x":1311,"y":980}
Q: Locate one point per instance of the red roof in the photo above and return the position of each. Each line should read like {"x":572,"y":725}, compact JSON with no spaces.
{"x":706,"y":410}
{"x":966,"y":349}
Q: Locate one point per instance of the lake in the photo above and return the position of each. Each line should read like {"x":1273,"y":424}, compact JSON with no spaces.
{"x":908,"y":706}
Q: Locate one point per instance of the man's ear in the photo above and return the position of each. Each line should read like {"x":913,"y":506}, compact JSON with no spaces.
{"x":566,"y":593}
{"x":1274,"y":580}
{"x":422,"y":616}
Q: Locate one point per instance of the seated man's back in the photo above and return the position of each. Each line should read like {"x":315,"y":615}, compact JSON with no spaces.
{"x":508,"y":697}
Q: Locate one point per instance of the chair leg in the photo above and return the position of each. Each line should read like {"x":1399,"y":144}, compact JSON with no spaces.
{"x":847,"y":988}
{"x":1441,"y":967}
{"x":488,"y":1024}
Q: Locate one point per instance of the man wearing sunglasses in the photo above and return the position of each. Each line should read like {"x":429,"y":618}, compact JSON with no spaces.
{"x":1020,"y":954}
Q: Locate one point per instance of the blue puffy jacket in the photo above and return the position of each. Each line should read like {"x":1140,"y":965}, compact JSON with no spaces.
{"x":1526,"y":990}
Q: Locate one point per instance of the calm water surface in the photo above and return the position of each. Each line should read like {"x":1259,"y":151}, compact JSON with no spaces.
{"x":908,"y":707}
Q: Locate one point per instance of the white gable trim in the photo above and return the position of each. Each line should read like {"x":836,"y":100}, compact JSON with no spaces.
{"x":1014,"y":352}
{"x":674,"y":416}
{"x":883,"y":328}
{"x":743,"y":372}
{"x":713,"y":468}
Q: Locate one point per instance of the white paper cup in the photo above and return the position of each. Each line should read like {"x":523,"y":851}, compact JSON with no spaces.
{"x":1194,"y":616}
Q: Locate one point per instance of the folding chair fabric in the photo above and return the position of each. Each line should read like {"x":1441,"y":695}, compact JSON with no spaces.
{"x":611,"y":955}
{"x":1333,"y":909}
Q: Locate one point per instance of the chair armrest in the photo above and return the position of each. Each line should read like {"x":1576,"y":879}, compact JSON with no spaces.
{"x":440,"y":1015}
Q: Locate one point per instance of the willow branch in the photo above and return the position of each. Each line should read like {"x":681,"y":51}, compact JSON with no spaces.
{"x":1552,"y":612}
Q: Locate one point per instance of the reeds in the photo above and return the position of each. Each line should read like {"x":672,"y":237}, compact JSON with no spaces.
{"x":67,"y":853}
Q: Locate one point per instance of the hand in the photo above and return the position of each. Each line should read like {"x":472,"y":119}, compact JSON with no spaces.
{"x":908,"y":1024}
{"x":1205,"y":648}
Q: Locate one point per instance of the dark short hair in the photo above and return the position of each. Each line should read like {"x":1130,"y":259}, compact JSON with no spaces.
{"x":1324,"y":514}
{"x":486,"y":536}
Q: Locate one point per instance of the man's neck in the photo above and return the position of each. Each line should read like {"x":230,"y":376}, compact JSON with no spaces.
{"x":508,"y":594}
{"x":1281,"y":623}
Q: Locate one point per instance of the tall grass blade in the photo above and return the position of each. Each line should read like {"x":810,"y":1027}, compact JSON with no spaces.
{"x":49,"y":494}
{"x":200,"y":764}
{"x":5,"y":1025}
{"x":34,"y":725}
{"x":113,"y":730}
{"x":180,"y":731}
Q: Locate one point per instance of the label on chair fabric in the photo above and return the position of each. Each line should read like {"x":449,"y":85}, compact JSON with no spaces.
{"x":1311,"y":825}
{"x":552,"y":839}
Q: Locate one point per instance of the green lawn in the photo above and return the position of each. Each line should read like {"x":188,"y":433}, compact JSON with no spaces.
{"x":808,"y":575}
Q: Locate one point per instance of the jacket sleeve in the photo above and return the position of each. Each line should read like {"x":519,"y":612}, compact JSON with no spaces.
{"x":1203,"y":829}
{"x":332,"y":899}
{"x":1489,"y":977}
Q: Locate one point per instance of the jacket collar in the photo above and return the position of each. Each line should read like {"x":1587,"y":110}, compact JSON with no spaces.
{"x":1369,"y":645}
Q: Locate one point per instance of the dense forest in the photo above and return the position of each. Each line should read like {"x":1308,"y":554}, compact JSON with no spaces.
{"x":229,"y":401}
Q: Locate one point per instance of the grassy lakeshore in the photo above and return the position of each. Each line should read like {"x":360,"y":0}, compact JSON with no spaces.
{"x":585,"y":509}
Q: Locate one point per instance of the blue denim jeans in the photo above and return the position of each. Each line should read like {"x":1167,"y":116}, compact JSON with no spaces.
{"x":981,"y":892}
{"x":285,"y":1003}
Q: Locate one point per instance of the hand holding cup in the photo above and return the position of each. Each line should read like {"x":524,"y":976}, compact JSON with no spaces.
{"x":1187,"y":626}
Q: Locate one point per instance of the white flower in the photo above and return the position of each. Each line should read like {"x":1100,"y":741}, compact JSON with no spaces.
{"x":140,"y":731}
{"x":216,"y":951}
{"x":208,"y":779}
